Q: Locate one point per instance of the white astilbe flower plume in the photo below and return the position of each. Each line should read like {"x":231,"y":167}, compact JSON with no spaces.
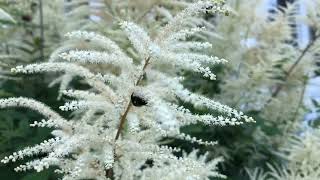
{"x":119,"y":123}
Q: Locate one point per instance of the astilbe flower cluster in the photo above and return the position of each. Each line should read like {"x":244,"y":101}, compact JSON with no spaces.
{"x":120,"y":122}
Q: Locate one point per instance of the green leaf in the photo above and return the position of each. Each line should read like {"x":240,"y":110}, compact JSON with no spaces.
{"x":315,"y":103}
{"x":4,"y":16}
{"x":43,"y":175}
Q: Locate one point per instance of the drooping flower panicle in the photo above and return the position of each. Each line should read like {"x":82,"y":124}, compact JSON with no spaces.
{"x":143,"y":95}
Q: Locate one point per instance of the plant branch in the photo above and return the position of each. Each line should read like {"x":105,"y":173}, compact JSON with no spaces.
{"x":123,"y":117}
{"x":109,"y":172}
{"x":291,"y":69}
{"x":300,"y":100}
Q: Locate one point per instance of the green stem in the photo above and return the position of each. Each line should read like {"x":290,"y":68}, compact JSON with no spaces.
{"x":41,"y":31}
